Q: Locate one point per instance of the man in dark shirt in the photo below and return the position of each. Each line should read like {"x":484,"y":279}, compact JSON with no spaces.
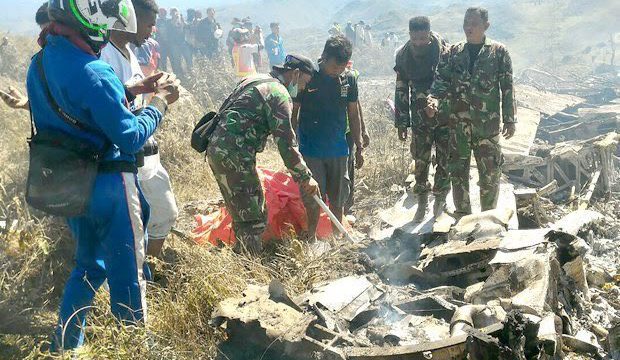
{"x":474,"y":50}
{"x":177,"y":44}
{"x":209,"y":34}
{"x":350,"y":31}
{"x":321,"y":115}
{"x":416,"y":63}
{"x":162,"y":35}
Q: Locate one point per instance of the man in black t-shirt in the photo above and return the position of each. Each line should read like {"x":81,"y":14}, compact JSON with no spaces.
{"x":209,"y":33}
{"x":320,"y":117}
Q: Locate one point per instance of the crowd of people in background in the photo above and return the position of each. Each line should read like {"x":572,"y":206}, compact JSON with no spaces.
{"x":390,"y":40}
{"x":178,"y":39}
{"x":359,"y":34}
{"x":362,"y":35}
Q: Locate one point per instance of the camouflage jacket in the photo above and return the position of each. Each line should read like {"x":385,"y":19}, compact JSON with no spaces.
{"x":248,"y":121}
{"x":410,"y":96}
{"x":479,"y":97}
{"x":356,"y":75}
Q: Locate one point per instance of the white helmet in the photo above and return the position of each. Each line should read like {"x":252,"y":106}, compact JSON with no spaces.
{"x":95,"y":18}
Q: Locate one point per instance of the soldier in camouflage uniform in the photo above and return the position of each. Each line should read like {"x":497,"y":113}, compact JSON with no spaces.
{"x":477,"y":78}
{"x":254,"y":111}
{"x":416,"y":63}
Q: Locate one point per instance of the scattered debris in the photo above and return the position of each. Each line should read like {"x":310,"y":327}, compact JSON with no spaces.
{"x":521,"y":143}
{"x":545,"y":102}
{"x":475,"y":317}
{"x":343,"y":299}
{"x":572,"y":164}
{"x":487,"y":286}
{"x":518,"y":340}
{"x":526,"y":278}
{"x":584,"y":342}
{"x":261,"y":324}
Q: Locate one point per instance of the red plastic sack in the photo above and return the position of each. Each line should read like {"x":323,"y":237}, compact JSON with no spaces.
{"x":286,"y":214}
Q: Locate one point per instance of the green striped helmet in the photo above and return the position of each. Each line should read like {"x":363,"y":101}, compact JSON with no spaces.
{"x":95,"y":18}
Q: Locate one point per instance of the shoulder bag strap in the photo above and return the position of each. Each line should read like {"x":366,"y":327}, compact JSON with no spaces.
{"x":235,"y":96}
{"x":68,"y":119}
{"x":57,"y":109}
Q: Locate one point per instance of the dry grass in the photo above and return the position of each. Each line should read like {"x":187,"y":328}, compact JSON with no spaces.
{"x":15,"y":57}
{"x":35,"y":255}
{"x":36,"y":258}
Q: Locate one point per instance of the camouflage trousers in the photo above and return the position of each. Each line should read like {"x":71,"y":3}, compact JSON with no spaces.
{"x":243,"y":194}
{"x":489,"y":159}
{"x":421,"y":148}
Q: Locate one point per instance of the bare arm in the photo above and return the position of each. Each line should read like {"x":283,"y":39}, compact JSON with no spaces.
{"x":361,"y":115}
{"x":14,"y":99}
{"x":356,"y":130}
{"x":365,"y":135}
{"x":355,"y":123}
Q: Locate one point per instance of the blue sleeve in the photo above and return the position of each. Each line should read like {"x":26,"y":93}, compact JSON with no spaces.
{"x":105,"y":101}
{"x":269,"y":45}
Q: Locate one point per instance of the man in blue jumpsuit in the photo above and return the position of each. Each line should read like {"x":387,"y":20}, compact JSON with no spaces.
{"x":110,"y":236}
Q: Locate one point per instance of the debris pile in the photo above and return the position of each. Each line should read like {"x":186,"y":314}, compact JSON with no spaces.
{"x":537,"y":278}
{"x":513,"y":294}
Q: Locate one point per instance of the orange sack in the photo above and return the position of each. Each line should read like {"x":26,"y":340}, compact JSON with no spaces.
{"x":286,"y":214}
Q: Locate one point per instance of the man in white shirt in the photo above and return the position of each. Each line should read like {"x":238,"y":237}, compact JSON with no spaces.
{"x":360,"y":34}
{"x":154,"y":179}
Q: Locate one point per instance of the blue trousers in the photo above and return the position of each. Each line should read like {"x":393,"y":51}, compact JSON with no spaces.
{"x":111,"y":244}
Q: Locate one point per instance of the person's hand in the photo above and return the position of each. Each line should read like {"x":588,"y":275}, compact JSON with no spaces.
{"x":509,"y":130}
{"x":166,"y":80}
{"x":146,"y":86}
{"x":359,"y":158}
{"x":402,"y":133}
{"x":365,"y":139}
{"x":168,"y":88}
{"x":311,"y":187}
{"x":14,"y":99}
